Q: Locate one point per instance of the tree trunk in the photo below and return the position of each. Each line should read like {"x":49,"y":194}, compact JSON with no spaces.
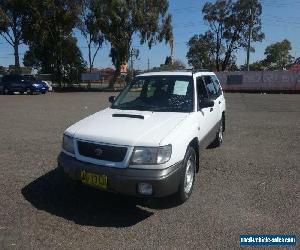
{"x":226,"y":60}
{"x":229,"y":51}
{"x":16,"y":54}
{"x":249,"y":38}
{"x":115,"y":77}
{"x":90,"y":57}
{"x":16,"y":42}
{"x":218,"y":53}
{"x":90,"y":64}
{"x":58,"y":73}
{"x":249,"y":47}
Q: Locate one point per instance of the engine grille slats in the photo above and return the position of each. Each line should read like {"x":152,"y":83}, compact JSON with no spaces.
{"x":102,"y":152}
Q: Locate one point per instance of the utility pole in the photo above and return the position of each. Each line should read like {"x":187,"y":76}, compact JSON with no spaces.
{"x":148,"y":64}
{"x":249,"y":35}
{"x":133,"y":55}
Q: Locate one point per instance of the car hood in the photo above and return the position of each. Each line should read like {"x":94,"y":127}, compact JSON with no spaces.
{"x":39,"y":82}
{"x":123,"y":127}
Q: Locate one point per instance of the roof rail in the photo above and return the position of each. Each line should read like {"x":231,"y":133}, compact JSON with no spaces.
{"x":181,"y":70}
{"x":199,"y":70}
{"x":170,"y":70}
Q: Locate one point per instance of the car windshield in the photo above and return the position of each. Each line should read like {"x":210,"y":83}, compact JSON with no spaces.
{"x":157,"y":93}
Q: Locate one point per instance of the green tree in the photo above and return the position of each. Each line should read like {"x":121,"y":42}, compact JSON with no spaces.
{"x":2,"y":70}
{"x":254,"y":27}
{"x":216,"y":15}
{"x":278,"y":55}
{"x":121,"y":20}
{"x":170,"y":65}
{"x":256,"y":66}
{"x":91,"y":30}
{"x":72,"y":62}
{"x":3,"y":20}
{"x":233,"y":25}
{"x":48,"y":32}
{"x":12,"y":15}
{"x":169,"y":60}
{"x":237,"y":27}
{"x":202,"y":51}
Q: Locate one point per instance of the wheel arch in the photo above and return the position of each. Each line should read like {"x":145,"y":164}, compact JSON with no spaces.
{"x":195,"y":145}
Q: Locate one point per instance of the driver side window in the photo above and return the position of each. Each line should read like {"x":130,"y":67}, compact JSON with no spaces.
{"x":201,"y":89}
{"x":212,"y":92}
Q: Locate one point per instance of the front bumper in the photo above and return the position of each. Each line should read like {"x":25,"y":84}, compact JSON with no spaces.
{"x":40,"y":90}
{"x":125,"y":180}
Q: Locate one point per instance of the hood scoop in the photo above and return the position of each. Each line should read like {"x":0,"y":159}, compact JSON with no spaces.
{"x":129,"y":116}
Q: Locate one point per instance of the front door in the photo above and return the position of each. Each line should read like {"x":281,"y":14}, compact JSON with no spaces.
{"x":206,"y":116}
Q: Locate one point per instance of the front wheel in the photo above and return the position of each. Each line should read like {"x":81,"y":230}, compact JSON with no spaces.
{"x":188,"y":177}
{"x":28,"y":91}
{"x":5,"y":91}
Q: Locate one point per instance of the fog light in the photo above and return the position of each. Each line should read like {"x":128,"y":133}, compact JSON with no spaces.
{"x":145,"y":189}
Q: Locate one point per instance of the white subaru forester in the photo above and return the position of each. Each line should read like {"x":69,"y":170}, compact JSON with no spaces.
{"x":147,"y":143}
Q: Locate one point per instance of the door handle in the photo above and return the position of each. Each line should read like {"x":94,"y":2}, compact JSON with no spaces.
{"x":211,"y":109}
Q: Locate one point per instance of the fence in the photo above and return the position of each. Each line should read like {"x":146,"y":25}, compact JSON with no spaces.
{"x":260,"y":81}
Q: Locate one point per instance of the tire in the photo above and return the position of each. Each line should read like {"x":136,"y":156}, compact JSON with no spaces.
{"x":43,"y":93}
{"x":28,"y":91}
{"x":21,"y":92}
{"x":188,"y":176}
{"x":5,"y":91}
{"x":219,"y":136}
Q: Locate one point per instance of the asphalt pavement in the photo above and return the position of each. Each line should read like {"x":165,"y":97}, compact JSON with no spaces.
{"x":250,"y":185}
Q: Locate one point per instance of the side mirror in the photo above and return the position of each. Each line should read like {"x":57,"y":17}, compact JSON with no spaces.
{"x":111,"y":99}
{"x":206,"y":103}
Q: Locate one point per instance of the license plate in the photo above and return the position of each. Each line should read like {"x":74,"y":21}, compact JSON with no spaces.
{"x":99,"y":181}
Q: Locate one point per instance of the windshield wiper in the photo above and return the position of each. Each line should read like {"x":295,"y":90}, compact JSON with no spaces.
{"x":172,"y":108}
{"x":132,"y":107}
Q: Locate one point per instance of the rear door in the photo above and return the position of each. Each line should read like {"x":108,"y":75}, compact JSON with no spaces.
{"x":220,"y":99}
{"x":19,"y":83}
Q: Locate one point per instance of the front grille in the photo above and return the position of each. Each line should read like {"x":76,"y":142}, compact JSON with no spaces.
{"x":102,"y":152}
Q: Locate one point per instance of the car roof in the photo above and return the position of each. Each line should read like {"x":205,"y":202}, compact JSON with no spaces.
{"x":177,"y":73}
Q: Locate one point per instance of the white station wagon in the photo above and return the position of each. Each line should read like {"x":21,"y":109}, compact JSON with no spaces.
{"x":147,"y":143}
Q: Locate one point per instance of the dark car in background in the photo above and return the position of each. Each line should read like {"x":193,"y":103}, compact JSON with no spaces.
{"x":22,"y":83}
{"x":1,"y":85}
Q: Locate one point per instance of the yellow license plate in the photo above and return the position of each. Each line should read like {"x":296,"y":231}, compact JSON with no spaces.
{"x":99,"y":181}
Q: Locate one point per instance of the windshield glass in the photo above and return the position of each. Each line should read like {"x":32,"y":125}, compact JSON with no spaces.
{"x":157,"y":93}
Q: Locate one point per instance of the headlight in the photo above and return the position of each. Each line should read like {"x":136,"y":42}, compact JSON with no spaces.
{"x":35,"y":85}
{"x":68,"y":144}
{"x":151,"y":156}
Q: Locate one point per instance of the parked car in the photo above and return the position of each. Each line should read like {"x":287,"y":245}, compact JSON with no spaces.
{"x":1,"y":85}
{"x":147,"y":143}
{"x":22,"y":83}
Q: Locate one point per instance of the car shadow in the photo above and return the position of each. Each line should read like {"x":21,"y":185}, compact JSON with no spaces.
{"x":57,"y":195}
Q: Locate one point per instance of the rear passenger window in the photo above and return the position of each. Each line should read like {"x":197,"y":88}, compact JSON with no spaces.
{"x":212,"y":92}
{"x":217,"y":85}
